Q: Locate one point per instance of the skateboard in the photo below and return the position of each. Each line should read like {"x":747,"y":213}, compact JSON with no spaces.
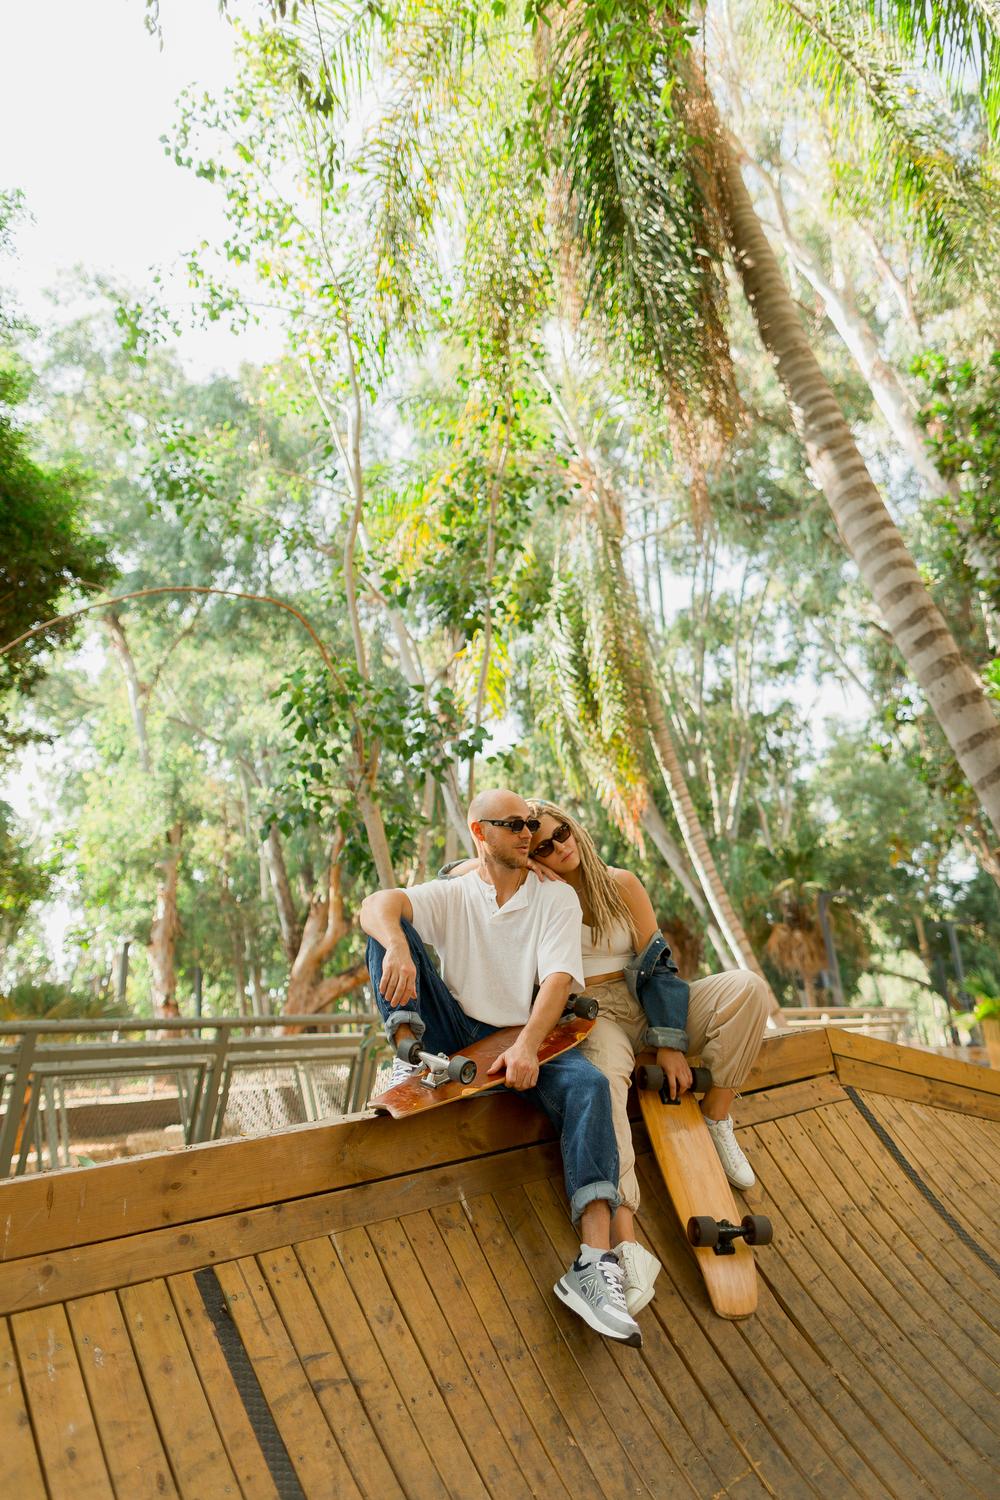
{"x":701,"y":1193}
{"x":464,"y":1074}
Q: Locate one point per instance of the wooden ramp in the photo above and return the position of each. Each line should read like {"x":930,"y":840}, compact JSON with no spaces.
{"x":365,"y":1309}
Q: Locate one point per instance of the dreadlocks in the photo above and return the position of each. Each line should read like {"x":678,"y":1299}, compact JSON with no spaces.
{"x":599,"y":893}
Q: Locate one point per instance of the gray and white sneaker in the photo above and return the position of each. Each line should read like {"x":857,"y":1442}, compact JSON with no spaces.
{"x":593,"y":1289}
{"x":736,"y":1167}
{"x":402,"y":1072}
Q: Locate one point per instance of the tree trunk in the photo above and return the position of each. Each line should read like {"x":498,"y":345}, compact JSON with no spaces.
{"x":120,"y":647}
{"x":893,"y":400}
{"x":673,"y":857}
{"x":274,"y":858}
{"x":953,"y":691}
{"x":326,"y":923}
{"x":377,"y":839}
{"x":694,"y":837}
{"x":166,"y":926}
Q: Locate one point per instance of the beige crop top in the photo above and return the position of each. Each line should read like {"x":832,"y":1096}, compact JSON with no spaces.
{"x":612,"y":954}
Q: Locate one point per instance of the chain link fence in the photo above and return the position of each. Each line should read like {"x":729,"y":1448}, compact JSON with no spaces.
{"x":78,"y":1093}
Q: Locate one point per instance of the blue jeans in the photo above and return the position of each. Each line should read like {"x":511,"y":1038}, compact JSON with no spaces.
{"x":571,"y":1091}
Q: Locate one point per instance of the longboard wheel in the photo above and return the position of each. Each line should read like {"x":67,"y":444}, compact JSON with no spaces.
{"x":650,"y":1077}
{"x":757,"y":1229}
{"x":462,"y":1070}
{"x":584,"y":1006}
{"x":408,"y":1050}
{"x":701,"y":1080}
{"x":703,"y":1231}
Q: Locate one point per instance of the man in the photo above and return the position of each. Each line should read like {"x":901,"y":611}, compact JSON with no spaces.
{"x":498,"y":932}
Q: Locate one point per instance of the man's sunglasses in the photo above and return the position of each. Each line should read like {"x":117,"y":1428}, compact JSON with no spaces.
{"x":514,"y":824}
{"x":558,"y":836}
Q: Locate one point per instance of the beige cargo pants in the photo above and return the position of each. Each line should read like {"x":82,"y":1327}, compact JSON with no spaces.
{"x":726,"y":1017}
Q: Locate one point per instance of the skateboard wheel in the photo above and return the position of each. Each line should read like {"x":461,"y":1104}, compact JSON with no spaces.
{"x":584,"y":1006}
{"x":408,"y":1051}
{"x":757,"y":1229}
{"x":462,"y":1070}
{"x":703,"y":1231}
{"x":701,"y":1080}
{"x":650,"y":1077}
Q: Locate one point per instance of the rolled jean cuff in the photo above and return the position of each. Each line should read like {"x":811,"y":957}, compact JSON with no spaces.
{"x":399,"y":1018}
{"x":591,"y":1192}
{"x":667,"y":1036}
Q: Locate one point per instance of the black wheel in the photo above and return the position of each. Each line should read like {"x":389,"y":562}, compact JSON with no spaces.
{"x":703,"y":1231}
{"x":650,"y":1077}
{"x":462,"y":1069}
{"x":408,"y":1051}
{"x":584,"y":1006}
{"x":701,"y":1080}
{"x":758,"y":1229}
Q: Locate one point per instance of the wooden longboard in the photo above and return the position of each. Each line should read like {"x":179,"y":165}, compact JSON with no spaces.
{"x":697,"y":1184}
{"x":413,"y":1096}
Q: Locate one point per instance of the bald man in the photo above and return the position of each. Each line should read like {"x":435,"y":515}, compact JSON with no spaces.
{"x":501,"y":933}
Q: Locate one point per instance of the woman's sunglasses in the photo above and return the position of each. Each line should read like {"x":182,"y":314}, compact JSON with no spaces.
{"x":558,"y":836}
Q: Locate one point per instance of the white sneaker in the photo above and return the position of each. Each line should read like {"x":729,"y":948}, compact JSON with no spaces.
{"x":641,"y":1270}
{"x":402,"y":1072}
{"x":736,"y":1167}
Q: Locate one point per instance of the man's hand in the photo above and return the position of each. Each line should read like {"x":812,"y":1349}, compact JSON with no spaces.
{"x":676,"y":1071}
{"x":399,"y":974}
{"x":520,"y":1062}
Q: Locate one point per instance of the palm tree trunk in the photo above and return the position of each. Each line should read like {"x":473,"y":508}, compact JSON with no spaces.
{"x":694,"y":838}
{"x":893,"y":400}
{"x":673,"y":857}
{"x":953,"y":691}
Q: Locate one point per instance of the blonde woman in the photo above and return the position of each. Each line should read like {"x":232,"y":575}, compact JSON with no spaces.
{"x":644,"y":1003}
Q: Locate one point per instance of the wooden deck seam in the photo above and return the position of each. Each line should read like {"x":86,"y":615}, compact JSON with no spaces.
{"x":690,"y":1294}
{"x":887,"y":1384}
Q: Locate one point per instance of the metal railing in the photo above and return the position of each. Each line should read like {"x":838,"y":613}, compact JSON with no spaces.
{"x":889,"y":1023}
{"x":60,"y":1096}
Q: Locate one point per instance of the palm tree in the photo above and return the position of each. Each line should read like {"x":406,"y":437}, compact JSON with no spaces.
{"x":649,"y":189}
{"x":638,"y":237}
{"x":609,"y":700}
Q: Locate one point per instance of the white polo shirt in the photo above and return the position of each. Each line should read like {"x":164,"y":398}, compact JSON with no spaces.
{"x":493,"y":956}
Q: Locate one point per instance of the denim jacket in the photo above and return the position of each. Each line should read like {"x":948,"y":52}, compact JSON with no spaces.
{"x":654,"y":981}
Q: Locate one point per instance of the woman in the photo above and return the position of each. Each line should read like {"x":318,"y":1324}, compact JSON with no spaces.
{"x":643,"y":1003}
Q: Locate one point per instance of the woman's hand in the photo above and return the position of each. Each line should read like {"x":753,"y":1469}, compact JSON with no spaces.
{"x":542,"y":871}
{"x":676,"y":1070}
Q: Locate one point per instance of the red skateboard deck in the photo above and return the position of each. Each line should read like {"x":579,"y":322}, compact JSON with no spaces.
{"x":414,"y":1095}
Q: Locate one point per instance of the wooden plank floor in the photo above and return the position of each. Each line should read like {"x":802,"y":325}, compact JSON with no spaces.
{"x":422,"y":1353}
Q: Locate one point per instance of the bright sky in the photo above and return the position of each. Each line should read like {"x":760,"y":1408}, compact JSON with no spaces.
{"x":85,"y":94}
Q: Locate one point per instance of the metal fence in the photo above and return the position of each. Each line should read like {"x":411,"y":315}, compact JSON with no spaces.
{"x":67,"y":1099}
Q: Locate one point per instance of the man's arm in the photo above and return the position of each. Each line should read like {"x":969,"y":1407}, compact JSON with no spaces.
{"x":521,"y":1058}
{"x":380,"y":916}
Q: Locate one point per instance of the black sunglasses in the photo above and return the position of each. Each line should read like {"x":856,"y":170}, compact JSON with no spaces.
{"x":558,"y":836}
{"x":514,"y":824}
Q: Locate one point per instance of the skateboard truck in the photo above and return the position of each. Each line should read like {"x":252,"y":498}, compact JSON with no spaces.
{"x":718,"y":1234}
{"x":440,"y":1068}
{"x":649,"y":1076}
